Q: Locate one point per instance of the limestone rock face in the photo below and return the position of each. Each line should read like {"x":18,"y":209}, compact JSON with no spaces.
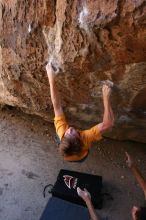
{"x":90,"y":41}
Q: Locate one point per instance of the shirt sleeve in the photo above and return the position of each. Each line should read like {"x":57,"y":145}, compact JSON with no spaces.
{"x":60,"y":125}
{"x":91,"y":135}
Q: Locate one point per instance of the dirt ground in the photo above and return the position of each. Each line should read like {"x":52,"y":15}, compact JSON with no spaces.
{"x":29,"y":160}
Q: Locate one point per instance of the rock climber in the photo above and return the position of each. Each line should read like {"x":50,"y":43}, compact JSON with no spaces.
{"x":74,"y":144}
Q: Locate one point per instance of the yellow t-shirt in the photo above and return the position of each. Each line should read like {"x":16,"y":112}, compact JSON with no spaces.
{"x":87,"y":137}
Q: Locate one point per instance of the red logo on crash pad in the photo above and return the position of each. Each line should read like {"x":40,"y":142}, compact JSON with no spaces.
{"x":70,"y":181}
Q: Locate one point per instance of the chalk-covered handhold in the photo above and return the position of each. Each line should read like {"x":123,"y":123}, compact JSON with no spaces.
{"x":107,"y":82}
{"x":54,"y":65}
{"x":83,"y":15}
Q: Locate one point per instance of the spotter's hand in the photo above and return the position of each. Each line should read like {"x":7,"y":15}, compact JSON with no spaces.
{"x":129,"y":160}
{"x":84,"y":194}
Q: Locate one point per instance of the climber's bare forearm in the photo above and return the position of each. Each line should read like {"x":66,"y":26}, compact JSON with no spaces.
{"x":108,"y":117}
{"x":55,"y":98}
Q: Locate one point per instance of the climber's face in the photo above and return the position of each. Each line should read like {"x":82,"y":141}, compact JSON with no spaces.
{"x":71,"y":132}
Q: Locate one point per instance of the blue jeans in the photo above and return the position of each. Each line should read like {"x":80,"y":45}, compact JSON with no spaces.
{"x":57,"y":139}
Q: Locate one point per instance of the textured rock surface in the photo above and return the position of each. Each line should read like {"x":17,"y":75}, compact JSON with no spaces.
{"x":91,"y":41}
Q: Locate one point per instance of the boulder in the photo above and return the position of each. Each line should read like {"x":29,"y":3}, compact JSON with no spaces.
{"x":89,"y":42}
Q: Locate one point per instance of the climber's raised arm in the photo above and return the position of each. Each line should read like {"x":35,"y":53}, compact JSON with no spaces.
{"x":55,"y":96}
{"x":108,"y":117}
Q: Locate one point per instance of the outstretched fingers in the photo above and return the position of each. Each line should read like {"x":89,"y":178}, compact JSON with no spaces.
{"x":129,"y":160}
{"x":84,"y":194}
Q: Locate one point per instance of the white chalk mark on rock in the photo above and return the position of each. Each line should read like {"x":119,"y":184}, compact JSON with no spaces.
{"x":82,"y":18}
{"x":29,"y":28}
{"x":82,"y":15}
{"x":107,"y":82}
